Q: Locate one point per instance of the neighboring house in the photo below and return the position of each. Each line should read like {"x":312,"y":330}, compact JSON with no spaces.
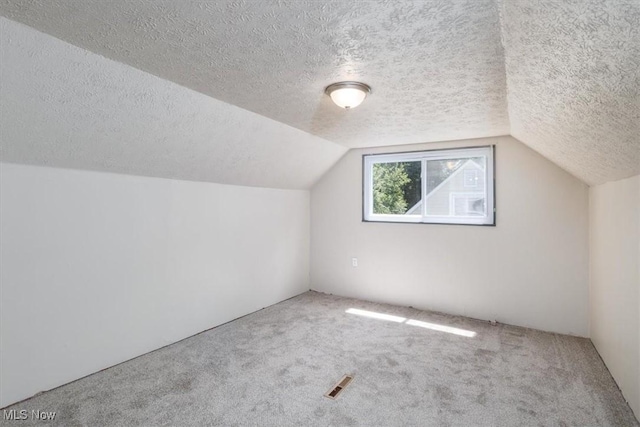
{"x":461,"y":194}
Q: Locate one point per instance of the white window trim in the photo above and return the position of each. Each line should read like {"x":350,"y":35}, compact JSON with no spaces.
{"x":371,"y":159}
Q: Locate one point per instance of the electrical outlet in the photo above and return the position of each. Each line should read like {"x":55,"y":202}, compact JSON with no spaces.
{"x":354,"y":262}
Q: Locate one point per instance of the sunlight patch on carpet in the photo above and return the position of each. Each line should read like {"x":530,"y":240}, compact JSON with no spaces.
{"x":412,"y":322}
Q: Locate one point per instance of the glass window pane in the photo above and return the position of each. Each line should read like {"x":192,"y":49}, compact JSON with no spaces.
{"x":433,"y":186}
{"x":456,"y":187}
{"x":397,"y":188}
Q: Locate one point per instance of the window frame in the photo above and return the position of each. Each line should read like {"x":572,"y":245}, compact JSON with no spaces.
{"x":368,"y":160}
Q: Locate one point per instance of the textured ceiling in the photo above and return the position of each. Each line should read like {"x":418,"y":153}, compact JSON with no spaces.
{"x":63,"y":106}
{"x":573,"y":78}
{"x":439,"y":69}
{"x":436,"y":67}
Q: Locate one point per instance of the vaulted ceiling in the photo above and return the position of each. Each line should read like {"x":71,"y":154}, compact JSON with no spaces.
{"x":561,"y":76}
{"x":573,"y":80}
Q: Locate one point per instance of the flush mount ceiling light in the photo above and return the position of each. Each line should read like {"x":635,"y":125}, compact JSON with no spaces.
{"x":348,"y":94}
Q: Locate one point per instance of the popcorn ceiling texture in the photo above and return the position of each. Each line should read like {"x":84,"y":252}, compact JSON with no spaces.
{"x":66,"y":107}
{"x":436,"y":67}
{"x":573,"y":77}
{"x":440,"y":69}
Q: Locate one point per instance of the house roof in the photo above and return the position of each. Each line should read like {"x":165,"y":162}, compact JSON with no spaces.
{"x":562,"y":77}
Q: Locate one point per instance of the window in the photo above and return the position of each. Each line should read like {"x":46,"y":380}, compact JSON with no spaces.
{"x":467,"y":204}
{"x":471,"y":178}
{"x":437,"y":186}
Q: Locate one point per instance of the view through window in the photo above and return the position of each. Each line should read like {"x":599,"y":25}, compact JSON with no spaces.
{"x":436,"y":186}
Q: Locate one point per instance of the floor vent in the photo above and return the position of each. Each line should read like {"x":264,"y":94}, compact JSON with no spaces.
{"x":337,"y":389}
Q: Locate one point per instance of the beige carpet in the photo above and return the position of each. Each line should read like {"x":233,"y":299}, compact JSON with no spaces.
{"x":271,"y":368}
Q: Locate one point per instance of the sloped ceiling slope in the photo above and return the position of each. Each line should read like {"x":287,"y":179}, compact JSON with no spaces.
{"x":561,"y":76}
{"x":573,"y":78}
{"x":63,"y":106}
{"x":436,"y":67}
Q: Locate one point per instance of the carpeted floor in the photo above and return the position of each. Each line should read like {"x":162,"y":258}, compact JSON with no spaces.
{"x":271,"y":368}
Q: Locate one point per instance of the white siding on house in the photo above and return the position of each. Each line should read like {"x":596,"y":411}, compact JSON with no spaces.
{"x":439,"y":200}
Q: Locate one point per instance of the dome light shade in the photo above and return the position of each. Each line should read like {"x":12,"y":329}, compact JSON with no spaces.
{"x":348,"y":94}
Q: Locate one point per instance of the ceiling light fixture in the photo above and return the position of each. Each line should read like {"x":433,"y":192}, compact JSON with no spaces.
{"x":348,"y":94}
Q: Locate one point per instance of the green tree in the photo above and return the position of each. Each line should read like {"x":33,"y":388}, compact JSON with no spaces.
{"x":413,"y":189}
{"x":389,"y":180}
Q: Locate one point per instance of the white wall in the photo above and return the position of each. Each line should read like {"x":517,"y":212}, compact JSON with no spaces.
{"x":98,"y":268}
{"x":529,"y":270}
{"x":615,"y":281}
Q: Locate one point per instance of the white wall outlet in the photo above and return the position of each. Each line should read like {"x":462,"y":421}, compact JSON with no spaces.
{"x":354,"y":262}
